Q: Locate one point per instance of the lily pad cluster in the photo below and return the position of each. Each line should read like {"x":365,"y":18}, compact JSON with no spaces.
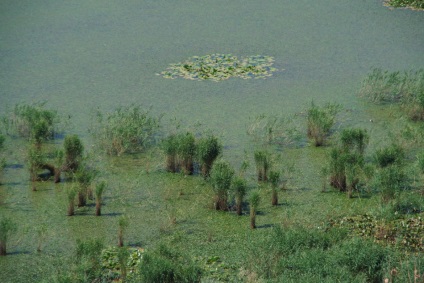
{"x":218,"y":67}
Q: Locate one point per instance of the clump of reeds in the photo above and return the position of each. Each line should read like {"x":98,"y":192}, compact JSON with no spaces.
{"x":208,"y":149}
{"x":7,"y":228}
{"x":254,"y":201}
{"x":221,"y":176}
{"x":239,"y":188}
{"x":263,"y":164}
{"x":320,"y":120}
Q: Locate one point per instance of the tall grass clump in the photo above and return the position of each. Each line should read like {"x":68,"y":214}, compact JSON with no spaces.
{"x":126,"y":130}
{"x":71,"y":193}
{"x":88,"y":261}
{"x":263,"y":163}
{"x":239,"y":188}
{"x":320,"y":120}
{"x":186,"y":151}
{"x":84,"y":176}
{"x":347,"y":161}
{"x":73,"y":151}
{"x":169,"y":146}
{"x":168,"y":266}
{"x":2,"y":159}
{"x":100,"y":187}
{"x":7,"y":228}
{"x":254,"y":200}
{"x":275,"y":179}
{"x":123,"y":224}
{"x":420,"y":166}
{"x":274,"y":130}
{"x":221,"y":177}
{"x":208,"y":149}
{"x":406,"y":88}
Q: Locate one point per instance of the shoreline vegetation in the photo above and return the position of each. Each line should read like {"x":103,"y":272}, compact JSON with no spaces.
{"x":196,"y":185}
{"x":408,"y":4}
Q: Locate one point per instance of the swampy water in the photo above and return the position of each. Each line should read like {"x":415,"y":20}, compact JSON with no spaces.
{"x":78,"y":56}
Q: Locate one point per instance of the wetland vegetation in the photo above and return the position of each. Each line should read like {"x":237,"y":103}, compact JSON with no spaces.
{"x":296,"y":178}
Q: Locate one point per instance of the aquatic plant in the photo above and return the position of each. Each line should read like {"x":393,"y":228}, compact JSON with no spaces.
{"x":221,"y":176}
{"x":34,"y":122}
{"x":263,"y":163}
{"x":346,"y":160}
{"x":320,"y":120}
{"x":122,"y":226}
{"x":170,"y":147}
{"x":2,"y":159}
{"x":7,"y":228}
{"x":274,"y":178}
{"x":186,"y":151}
{"x":126,"y":130}
{"x":254,"y":200}
{"x":391,"y":180}
{"x":218,"y":67}
{"x":413,"y":4}
{"x":274,"y":130}
{"x":100,"y":187}
{"x":391,"y":155}
{"x":239,"y":188}
{"x":73,"y":151}
{"x":84,"y":176}
{"x":71,"y":193}
{"x":88,"y":260}
{"x":406,"y":88}
{"x":207,"y":150}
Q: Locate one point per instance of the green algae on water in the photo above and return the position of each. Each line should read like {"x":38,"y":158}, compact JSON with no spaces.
{"x":218,"y":67}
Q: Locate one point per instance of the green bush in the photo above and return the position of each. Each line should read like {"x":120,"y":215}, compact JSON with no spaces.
{"x":274,"y":178}
{"x":2,"y":159}
{"x":391,"y":180}
{"x":320,"y":120}
{"x":126,"y":130}
{"x":221,"y":177}
{"x":186,"y":151}
{"x":87,"y":260}
{"x":74,"y":150}
{"x":254,"y":200}
{"x":170,"y":147}
{"x":168,"y":266}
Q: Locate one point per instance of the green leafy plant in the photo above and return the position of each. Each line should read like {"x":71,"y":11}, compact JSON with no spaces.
{"x":239,"y":188}
{"x":254,"y":200}
{"x":208,"y":149}
{"x":320,"y":120}
{"x":221,"y":176}
{"x":73,"y":151}
{"x":126,"y":130}
{"x":7,"y":228}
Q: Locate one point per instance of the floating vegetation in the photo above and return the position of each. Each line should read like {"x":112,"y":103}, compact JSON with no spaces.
{"x":218,"y":67}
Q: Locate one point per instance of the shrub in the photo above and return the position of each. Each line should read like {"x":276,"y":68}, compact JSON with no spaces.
{"x":263,"y":163}
{"x":126,"y":130}
{"x":391,"y":180}
{"x":320,"y":120}
{"x":239,"y":187}
{"x":221,"y":176}
{"x":254,"y":200}
{"x":7,"y":228}
{"x":84,"y":176}
{"x":208,"y":149}
{"x":71,"y":193}
{"x":87,"y":257}
{"x":168,"y":266}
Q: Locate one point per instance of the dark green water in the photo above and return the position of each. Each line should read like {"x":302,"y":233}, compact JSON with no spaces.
{"x":80,"y":55}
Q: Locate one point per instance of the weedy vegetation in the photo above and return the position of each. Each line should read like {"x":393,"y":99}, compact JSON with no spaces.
{"x":320,"y":120}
